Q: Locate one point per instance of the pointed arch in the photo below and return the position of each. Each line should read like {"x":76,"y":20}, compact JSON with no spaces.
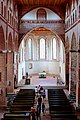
{"x":2,"y":40}
{"x":73,"y":42}
{"x":10,"y":43}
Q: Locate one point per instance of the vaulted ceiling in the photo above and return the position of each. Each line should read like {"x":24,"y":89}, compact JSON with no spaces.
{"x":58,"y":6}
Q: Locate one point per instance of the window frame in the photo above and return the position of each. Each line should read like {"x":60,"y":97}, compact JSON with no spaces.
{"x":41,"y":52}
{"x":54,"y":56}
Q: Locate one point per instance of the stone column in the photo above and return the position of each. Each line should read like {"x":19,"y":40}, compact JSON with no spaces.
{"x":73,"y":74}
{"x":78,"y":80}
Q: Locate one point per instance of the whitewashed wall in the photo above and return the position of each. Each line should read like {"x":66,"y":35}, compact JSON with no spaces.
{"x":51,"y":67}
{"x":32,"y":15}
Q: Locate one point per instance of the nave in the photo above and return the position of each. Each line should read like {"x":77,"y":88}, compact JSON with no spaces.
{"x":57,"y":105}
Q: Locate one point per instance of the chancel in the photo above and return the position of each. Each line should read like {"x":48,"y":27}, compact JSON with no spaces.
{"x":39,"y":46}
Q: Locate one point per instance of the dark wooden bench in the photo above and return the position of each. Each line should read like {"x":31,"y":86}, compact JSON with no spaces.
{"x":24,"y":98}
{"x":63,"y":116}
{"x":56,"y":98}
{"x":58,"y":103}
{"x":60,"y":107}
{"x":20,"y":108}
{"x":67,"y":118}
{"x":18,"y":116}
{"x":62,"y":112}
{"x":22,"y":103}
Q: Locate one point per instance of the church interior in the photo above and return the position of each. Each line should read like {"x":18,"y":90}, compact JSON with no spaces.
{"x":39,"y":46}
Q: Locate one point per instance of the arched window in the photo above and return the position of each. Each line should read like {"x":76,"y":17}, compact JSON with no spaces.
{"x":54,"y":48}
{"x":41,"y":14}
{"x":62,"y":52}
{"x":75,"y":15}
{"x":42,"y":48}
{"x":30,"y":48}
{"x":73,"y":18}
{"x":1,"y":8}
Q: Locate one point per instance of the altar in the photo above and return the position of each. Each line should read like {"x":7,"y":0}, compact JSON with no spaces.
{"x":42,"y":75}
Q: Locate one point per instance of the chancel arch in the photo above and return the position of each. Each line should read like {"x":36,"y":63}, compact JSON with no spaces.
{"x":46,"y":53}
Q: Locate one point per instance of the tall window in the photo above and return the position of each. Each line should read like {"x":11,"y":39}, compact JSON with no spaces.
{"x":62,"y":52}
{"x":54,"y":48}
{"x":42,"y":48}
{"x":30,"y":48}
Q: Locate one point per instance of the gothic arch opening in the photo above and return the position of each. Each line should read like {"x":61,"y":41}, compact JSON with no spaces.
{"x":10,"y":44}
{"x":2,"y":40}
{"x":29,"y":51}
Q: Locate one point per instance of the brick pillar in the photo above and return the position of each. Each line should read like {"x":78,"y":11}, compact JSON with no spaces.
{"x":10,"y":73}
{"x":3,"y":81}
{"x":78,"y":80}
{"x":73,"y":73}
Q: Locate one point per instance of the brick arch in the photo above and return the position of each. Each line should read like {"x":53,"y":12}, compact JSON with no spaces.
{"x":67,"y":60}
{"x":2,"y":40}
{"x":73,"y":42}
{"x":10,"y":43}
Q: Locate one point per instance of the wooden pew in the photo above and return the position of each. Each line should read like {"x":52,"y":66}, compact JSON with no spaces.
{"x":16,"y":116}
{"x":59,"y":106}
{"x":23,"y":102}
{"x":67,"y":118}
{"x":63,"y":115}
{"x":20,"y":108}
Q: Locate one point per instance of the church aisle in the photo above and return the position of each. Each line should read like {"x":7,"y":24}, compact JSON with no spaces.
{"x":46,"y":115}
